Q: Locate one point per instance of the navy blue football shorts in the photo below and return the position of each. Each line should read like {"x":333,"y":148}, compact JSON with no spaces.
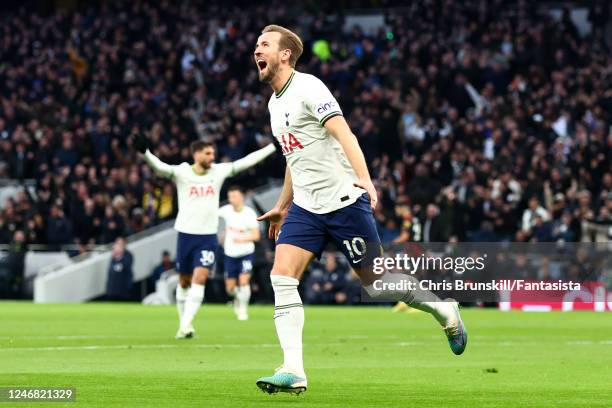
{"x":352,"y":229}
{"x":193,"y":251}
{"x":234,"y":266}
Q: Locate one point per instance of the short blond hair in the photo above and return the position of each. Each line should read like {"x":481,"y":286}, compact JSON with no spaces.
{"x":288,"y":40}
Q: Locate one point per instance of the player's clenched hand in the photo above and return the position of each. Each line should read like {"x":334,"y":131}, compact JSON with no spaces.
{"x":368,"y":186}
{"x":275,"y":218}
{"x":140,"y":142}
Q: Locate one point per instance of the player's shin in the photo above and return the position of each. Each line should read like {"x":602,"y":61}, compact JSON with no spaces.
{"x":181,"y":298}
{"x":289,"y":321}
{"x":417,"y":298}
{"x":427,"y":301}
{"x":244,"y":296}
{"x":192,"y":305}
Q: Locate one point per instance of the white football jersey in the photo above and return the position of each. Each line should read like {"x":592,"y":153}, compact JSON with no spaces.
{"x":236,"y":225}
{"x":198,"y":197}
{"x":321,"y":173}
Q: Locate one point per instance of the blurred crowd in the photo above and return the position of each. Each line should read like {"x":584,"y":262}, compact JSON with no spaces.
{"x":331,"y":280}
{"x":505,"y":124}
{"x":75,"y":86}
{"x":481,"y":120}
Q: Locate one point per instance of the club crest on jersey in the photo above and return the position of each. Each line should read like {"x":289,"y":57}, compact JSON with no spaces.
{"x":201,"y":191}
{"x":286,"y":119}
{"x":289,"y":143}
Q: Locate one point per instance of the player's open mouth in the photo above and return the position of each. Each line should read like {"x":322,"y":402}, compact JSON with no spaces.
{"x":262,"y":64}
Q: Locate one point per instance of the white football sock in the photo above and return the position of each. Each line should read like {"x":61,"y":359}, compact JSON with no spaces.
{"x":243,"y":296}
{"x":419,"y":299}
{"x":439,"y":309}
{"x":181,"y":297}
{"x":192,"y":304}
{"x":289,"y":321}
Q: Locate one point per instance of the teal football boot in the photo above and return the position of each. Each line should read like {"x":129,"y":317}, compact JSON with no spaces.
{"x":455,"y":331}
{"x":282,"y":381}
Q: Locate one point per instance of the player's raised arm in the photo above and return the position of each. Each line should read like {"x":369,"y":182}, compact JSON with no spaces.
{"x":159,"y":167}
{"x":252,"y":159}
{"x":340,"y":130}
{"x":141,"y":143}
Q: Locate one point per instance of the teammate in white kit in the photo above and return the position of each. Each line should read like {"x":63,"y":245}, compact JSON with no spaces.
{"x":241,"y":233}
{"x":333,"y":197}
{"x":198,"y":187}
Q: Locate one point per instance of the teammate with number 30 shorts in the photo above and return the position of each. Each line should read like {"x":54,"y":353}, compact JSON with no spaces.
{"x":198,"y":188}
{"x":195,"y":251}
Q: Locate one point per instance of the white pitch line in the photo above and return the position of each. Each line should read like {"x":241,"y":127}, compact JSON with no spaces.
{"x":83,"y":337}
{"x":270,"y":345}
{"x":173,"y":346}
{"x":159,"y":346}
{"x":136,"y":346}
{"x":90,"y":337}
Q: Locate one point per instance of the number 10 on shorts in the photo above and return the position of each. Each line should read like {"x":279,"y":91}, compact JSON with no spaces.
{"x":356,"y":247}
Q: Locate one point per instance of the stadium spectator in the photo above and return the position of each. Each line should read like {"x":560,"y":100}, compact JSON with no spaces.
{"x":113,"y":225}
{"x":542,"y":231}
{"x":166,"y":265}
{"x":389,"y":232}
{"x":12,"y":268}
{"x":432,"y":230}
{"x":532,"y":213}
{"x":410,"y":227}
{"x":120,"y":275}
{"x":59,"y":228}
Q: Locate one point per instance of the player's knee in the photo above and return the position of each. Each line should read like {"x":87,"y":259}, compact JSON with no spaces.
{"x":198,"y":280}
{"x":184,"y":281}
{"x":230,"y":290}
{"x":244,"y":279}
{"x":284,"y":270}
{"x":199,"y":276}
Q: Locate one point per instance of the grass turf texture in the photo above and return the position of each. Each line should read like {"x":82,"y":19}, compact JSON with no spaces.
{"x":122,"y":355}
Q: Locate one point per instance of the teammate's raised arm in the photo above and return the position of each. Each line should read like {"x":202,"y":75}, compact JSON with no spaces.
{"x":252,"y":159}
{"x":159,"y":167}
{"x":341,"y":131}
{"x":141,"y":144}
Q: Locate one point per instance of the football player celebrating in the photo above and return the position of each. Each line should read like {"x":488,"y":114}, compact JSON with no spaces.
{"x":327,"y":195}
{"x":198,"y":187}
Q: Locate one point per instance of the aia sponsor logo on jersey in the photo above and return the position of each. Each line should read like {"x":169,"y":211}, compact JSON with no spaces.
{"x":289,"y":143}
{"x":201,"y":191}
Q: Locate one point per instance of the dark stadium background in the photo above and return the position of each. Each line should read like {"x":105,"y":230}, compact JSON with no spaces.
{"x":468,"y":113}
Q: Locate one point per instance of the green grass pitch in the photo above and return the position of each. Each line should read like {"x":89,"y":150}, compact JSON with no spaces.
{"x":124,"y":355}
